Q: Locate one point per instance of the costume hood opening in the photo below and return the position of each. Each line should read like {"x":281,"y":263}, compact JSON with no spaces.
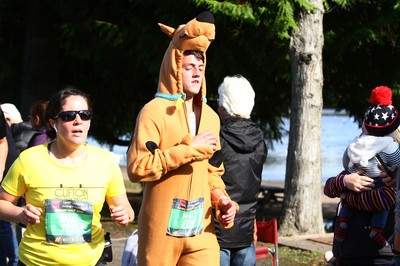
{"x":196,"y":35}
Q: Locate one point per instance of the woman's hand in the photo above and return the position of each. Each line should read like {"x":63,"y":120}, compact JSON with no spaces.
{"x":121,"y":211}
{"x":358,"y":182}
{"x":120,"y":215}
{"x":30,"y":215}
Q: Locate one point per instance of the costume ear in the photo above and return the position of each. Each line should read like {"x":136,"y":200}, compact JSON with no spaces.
{"x":167,"y":29}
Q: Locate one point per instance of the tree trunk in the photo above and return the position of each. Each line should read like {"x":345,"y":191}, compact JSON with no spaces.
{"x":302,"y":209}
{"x":40,"y":72}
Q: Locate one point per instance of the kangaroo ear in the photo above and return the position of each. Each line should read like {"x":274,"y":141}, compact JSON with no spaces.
{"x":167,"y":29}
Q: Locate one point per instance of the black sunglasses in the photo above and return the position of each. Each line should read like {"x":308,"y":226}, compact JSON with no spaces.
{"x":70,"y":115}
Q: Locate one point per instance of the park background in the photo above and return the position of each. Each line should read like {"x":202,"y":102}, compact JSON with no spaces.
{"x":300,"y":56}
{"x":338,"y":129}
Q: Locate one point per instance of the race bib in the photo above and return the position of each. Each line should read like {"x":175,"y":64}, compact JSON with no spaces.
{"x":186,"y":218}
{"x":68,"y":221}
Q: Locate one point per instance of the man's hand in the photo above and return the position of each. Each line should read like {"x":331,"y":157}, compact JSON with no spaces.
{"x":228,"y":210}
{"x":205,"y":138}
{"x":389,"y":181}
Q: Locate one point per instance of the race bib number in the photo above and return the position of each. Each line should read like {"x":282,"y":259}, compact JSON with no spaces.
{"x":68,"y":221}
{"x":186,"y":218}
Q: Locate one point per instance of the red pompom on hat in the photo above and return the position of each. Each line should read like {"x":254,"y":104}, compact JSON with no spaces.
{"x":382,"y":118}
{"x":381,"y":95}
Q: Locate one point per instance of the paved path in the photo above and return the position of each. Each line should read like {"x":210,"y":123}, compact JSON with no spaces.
{"x":300,"y":242}
{"x":118,"y":247}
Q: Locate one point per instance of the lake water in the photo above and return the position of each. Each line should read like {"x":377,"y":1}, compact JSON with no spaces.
{"x":337,"y":131}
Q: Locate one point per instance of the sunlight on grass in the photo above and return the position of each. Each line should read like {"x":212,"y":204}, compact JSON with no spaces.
{"x":290,"y":256}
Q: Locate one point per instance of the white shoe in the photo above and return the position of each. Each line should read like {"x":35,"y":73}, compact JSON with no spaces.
{"x":328,"y":257}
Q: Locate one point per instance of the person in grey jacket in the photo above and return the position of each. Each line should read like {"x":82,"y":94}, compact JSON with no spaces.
{"x":243,"y":154}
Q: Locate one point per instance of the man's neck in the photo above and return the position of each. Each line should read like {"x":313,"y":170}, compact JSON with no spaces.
{"x":189,"y":105}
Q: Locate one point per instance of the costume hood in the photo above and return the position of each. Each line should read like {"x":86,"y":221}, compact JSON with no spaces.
{"x":196,"y":35}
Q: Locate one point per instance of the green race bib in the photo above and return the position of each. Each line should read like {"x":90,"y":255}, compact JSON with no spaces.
{"x":186,"y":218}
{"x":68,"y":221}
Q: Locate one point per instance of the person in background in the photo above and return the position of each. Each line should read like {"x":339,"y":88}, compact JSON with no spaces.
{"x":378,"y":140}
{"x":66,"y":183}
{"x":358,"y":248}
{"x":8,"y":154}
{"x":176,"y":134}
{"x":3,"y":144}
{"x":22,"y":131}
{"x":37,"y":112}
{"x":243,"y":153}
{"x":37,"y":120}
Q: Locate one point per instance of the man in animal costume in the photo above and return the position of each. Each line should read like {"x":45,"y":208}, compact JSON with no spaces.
{"x":175,"y":135}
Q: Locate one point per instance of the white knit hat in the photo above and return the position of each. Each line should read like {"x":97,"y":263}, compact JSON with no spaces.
{"x":11,"y":112}
{"x":237,"y":96}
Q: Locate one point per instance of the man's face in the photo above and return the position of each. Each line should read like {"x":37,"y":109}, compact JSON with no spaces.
{"x":192,"y":75}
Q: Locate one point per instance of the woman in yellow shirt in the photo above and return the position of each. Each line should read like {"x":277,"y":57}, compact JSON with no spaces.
{"x":66,"y":183}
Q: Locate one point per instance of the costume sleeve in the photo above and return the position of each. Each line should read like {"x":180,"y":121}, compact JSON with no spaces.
{"x":215,"y":182}
{"x":214,"y":177}
{"x":146,"y":161}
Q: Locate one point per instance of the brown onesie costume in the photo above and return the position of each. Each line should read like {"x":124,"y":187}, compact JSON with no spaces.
{"x":176,"y":218}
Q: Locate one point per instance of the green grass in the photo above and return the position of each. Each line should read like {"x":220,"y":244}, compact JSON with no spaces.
{"x":293,"y":257}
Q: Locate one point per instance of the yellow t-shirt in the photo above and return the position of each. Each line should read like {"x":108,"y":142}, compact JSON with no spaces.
{"x":75,"y":198}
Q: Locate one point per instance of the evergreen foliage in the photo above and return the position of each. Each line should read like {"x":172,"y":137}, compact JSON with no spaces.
{"x":113,"y":50}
